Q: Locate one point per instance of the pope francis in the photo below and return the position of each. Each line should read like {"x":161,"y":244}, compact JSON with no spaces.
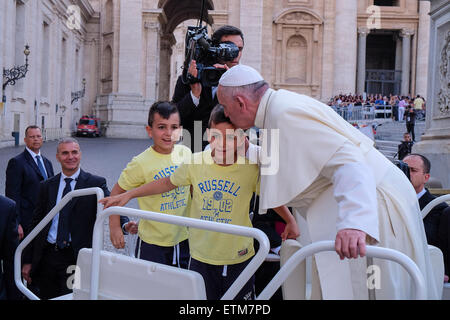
{"x":340,"y":187}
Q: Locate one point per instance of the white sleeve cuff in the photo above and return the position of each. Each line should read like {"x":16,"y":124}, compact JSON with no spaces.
{"x":354,"y":189}
{"x":355,"y":192}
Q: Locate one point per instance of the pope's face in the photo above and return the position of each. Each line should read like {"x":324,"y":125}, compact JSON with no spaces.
{"x":236,"y":109}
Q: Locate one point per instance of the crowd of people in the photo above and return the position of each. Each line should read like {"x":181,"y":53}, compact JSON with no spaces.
{"x":399,"y":104}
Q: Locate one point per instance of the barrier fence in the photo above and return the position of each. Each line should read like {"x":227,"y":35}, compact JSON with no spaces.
{"x":49,"y":134}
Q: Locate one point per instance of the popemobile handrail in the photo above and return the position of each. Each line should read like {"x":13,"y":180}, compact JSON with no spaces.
{"x":238,"y":284}
{"x":426,"y":210}
{"x":371,"y":251}
{"x":18,"y":255}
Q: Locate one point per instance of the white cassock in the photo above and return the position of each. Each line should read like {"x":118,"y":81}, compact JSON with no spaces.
{"x":335,"y":179}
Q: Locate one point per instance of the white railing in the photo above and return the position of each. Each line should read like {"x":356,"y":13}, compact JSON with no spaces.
{"x":258,"y":259}
{"x":238,"y":284}
{"x":426,"y":210}
{"x":47,"y":219}
{"x":97,"y":240}
{"x":371,"y":251}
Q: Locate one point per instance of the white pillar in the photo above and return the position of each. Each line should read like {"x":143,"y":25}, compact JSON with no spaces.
{"x":423,"y":48}
{"x":406,"y":61}
{"x":167,"y":42}
{"x":362,"y":44}
{"x":251,"y":21}
{"x":345,"y":56}
{"x":152,"y":60}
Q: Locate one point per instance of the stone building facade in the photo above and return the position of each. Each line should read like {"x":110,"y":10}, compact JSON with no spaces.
{"x":126,"y":51}
{"x":435,"y":144}
{"x":57,"y":35}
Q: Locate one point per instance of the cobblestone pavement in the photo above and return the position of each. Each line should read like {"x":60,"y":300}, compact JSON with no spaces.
{"x":100,"y":156}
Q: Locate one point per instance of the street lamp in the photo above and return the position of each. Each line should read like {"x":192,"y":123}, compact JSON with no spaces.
{"x":18,"y":72}
{"x":79,"y":94}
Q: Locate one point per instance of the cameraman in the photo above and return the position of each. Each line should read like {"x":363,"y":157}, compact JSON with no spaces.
{"x":405,"y":147}
{"x":194,"y":102}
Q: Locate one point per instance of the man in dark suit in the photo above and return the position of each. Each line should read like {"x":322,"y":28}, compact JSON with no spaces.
{"x":55,"y":249}
{"x":23,"y":175}
{"x":9,"y":241}
{"x":435,"y":229}
{"x":194,"y":102}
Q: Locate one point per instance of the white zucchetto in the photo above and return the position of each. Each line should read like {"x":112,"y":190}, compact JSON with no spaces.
{"x":240,"y":75}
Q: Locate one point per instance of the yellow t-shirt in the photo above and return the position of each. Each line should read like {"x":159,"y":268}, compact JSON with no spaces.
{"x":220,"y":194}
{"x":150,"y":166}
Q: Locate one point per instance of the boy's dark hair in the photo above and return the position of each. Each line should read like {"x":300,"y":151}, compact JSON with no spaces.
{"x":226,"y":30}
{"x":218,"y":116}
{"x":164,"y":108}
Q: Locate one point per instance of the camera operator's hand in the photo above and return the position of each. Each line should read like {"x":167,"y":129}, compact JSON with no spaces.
{"x":196,"y":88}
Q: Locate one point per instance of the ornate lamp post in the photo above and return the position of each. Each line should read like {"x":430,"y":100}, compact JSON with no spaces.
{"x":18,"y":72}
{"x":79,"y":94}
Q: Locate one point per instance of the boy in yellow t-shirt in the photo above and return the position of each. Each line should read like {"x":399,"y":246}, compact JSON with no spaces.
{"x":158,"y":242}
{"x":223,"y":184}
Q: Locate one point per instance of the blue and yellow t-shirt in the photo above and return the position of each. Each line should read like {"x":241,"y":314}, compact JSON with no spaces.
{"x":221,"y":194}
{"x":150,"y":166}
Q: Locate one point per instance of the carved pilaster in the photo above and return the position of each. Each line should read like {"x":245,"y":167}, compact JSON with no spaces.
{"x":443,"y":100}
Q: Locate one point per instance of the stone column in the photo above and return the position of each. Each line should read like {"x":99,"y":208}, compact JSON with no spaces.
{"x":362,"y":44}
{"x":127,"y":112}
{"x":345,"y":46}
{"x":130,"y":51}
{"x":423,"y":47}
{"x":3,"y":136}
{"x":251,"y":22}
{"x":167,"y":41}
{"x":406,"y":61}
{"x":152,"y":30}
{"x":328,"y":51}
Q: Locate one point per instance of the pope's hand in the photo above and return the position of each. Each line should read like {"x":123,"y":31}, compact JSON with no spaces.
{"x":350,"y":242}
{"x":120,"y":200}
